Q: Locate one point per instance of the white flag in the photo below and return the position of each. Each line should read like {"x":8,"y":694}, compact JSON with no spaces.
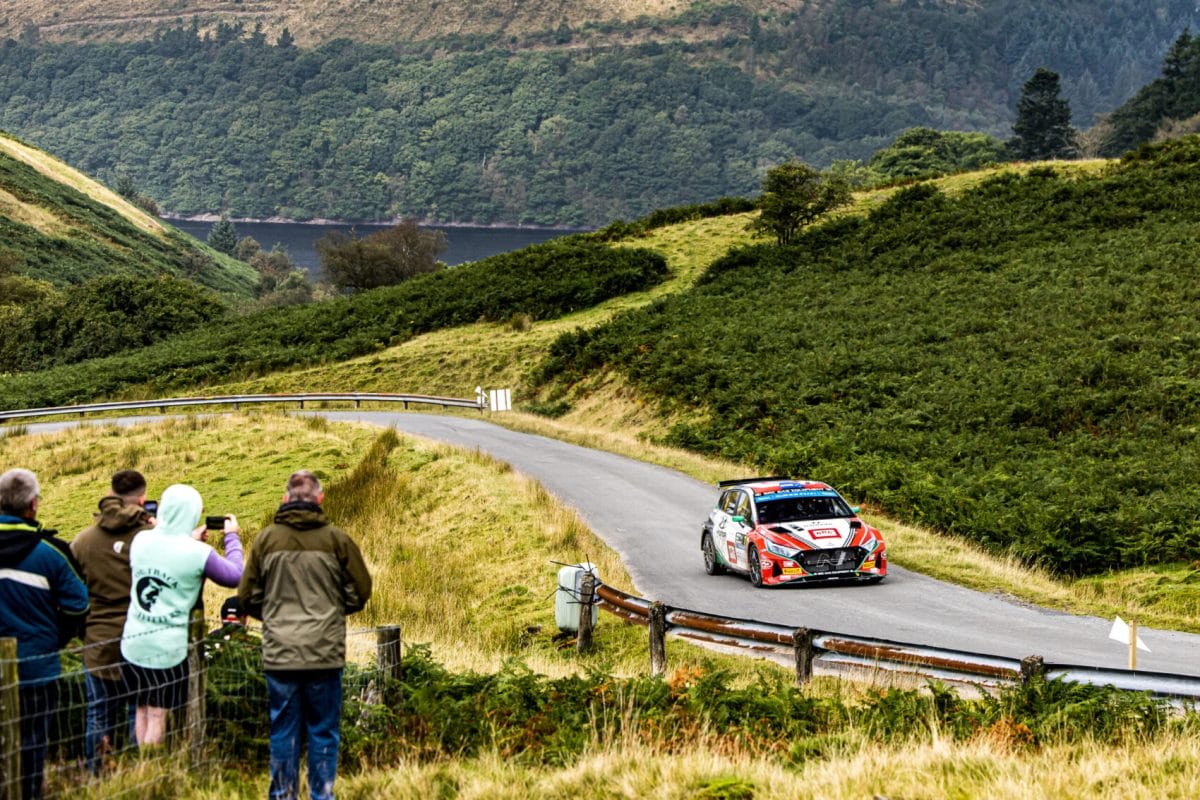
{"x":1120,"y":632}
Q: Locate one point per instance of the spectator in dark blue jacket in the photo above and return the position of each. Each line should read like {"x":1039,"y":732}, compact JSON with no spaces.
{"x":43,"y":603}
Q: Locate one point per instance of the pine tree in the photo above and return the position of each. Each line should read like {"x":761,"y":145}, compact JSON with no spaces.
{"x":223,"y":236}
{"x":1043,"y":127}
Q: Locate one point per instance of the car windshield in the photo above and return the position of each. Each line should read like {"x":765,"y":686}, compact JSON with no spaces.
{"x":790,"y":509}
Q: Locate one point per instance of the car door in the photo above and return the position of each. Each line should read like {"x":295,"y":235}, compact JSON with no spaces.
{"x":740,"y":531}
{"x":724,"y":528}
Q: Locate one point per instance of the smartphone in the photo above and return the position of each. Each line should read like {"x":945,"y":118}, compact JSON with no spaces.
{"x":151,"y":507}
{"x":215,"y":523}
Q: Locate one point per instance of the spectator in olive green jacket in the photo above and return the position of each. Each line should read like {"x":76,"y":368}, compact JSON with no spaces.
{"x":303,"y":577}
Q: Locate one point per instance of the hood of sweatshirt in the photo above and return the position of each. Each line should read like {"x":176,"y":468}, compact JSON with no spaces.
{"x":116,"y":516}
{"x":179,"y":510}
{"x":301,"y":516}
{"x":18,"y":537}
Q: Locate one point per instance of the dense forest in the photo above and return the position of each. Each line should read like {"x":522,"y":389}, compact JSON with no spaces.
{"x":560,"y":128}
{"x":1167,"y":106}
{"x":1017,"y":365}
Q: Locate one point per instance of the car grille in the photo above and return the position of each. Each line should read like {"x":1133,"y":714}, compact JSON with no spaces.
{"x":817,"y":562}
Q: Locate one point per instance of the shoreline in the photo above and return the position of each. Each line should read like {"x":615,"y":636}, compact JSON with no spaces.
{"x":169,"y":217}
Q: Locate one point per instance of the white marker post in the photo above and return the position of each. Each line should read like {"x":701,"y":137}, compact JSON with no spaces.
{"x":1127,"y":634}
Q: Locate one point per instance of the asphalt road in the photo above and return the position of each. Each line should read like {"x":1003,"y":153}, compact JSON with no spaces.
{"x":652,"y":517}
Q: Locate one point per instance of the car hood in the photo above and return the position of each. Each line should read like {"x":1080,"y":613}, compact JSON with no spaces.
{"x":820,"y":534}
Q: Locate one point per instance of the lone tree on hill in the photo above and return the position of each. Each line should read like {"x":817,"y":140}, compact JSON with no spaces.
{"x":380,"y":259}
{"x":795,"y":194}
{"x":223,"y":237}
{"x":1043,"y":127}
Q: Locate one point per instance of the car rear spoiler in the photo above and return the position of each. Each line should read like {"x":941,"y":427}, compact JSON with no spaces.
{"x":739,"y":481}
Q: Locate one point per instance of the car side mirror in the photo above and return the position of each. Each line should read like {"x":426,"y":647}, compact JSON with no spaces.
{"x":854,"y":509}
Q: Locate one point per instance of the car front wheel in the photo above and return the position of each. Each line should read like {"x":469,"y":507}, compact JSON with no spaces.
{"x":755,"y":567}
{"x":711,"y":565}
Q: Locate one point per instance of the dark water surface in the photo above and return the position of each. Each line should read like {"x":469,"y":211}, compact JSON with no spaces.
{"x":462,"y":244}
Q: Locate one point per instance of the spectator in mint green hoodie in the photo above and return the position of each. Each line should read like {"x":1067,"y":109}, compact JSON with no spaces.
{"x":169,"y":563}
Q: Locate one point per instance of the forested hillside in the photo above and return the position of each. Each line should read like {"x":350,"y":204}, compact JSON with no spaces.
{"x":1168,"y":106}
{"x":1019,"y":365}
{"x":578,"y":122}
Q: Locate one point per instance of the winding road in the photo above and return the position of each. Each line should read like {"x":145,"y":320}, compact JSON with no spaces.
{"x":652,"y":517}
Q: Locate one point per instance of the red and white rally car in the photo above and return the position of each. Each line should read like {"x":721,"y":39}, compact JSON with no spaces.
{"x":779,"y":530}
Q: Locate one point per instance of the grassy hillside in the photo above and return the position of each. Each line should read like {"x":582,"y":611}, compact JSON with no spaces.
{"x":313,"y":21}
{"x":1015,"y":365}
{"x":608,"y":412}
{"x":60,"y":226}
{"x":540,"y":282}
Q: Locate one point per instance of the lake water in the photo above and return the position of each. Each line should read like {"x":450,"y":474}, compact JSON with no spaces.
{"x":462,"y":244}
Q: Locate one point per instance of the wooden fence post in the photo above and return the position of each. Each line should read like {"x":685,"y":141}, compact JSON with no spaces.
{"x":196,"y":708}
{"x":658,"y":638}
{"x":1032,"y":667}
{"x":10,"y":722}
{"x":802,"y":649}
{"x":387,"y":653}
{"x":587,"y":593}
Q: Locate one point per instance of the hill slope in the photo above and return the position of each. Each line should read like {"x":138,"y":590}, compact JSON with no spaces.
{"x":316,"y":21}
{"x":60,"y":226}
{"x":1018,"y":365}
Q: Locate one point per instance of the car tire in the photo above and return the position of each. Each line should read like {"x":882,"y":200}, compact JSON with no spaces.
{"x":711,"y":564}
{"x":755,"y":567}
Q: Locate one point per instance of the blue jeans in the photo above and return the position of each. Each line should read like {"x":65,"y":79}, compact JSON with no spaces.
{"x":304,"y":704}
{"x":38,"y":705}
{"x":104,"y":702}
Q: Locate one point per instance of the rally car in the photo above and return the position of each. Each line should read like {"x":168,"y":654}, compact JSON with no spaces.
{"x":779,"y":530}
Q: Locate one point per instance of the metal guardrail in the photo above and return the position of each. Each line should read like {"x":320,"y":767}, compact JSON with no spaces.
{"x":841,"y":652}
{"x":358,"y":398}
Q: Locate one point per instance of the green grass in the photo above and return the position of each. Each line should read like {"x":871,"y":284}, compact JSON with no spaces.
{"x":59,"y":226}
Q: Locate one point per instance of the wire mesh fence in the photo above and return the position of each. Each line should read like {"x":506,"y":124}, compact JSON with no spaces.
{"x":79,"y":734}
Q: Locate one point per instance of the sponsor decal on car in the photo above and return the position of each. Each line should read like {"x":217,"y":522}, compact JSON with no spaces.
{"x":824,"y":533}
{"x":792,"y":571}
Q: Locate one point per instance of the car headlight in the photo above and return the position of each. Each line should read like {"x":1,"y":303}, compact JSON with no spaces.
{"x":779,"y":550}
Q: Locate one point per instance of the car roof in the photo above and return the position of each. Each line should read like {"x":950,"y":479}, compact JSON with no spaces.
{"x":766,"y":486}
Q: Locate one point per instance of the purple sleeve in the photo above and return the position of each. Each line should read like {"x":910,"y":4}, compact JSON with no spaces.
{"x":226,"y":570}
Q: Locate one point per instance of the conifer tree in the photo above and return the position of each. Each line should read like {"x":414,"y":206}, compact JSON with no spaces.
{"x":1043,"y":127}
{"x":223,"y":236}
